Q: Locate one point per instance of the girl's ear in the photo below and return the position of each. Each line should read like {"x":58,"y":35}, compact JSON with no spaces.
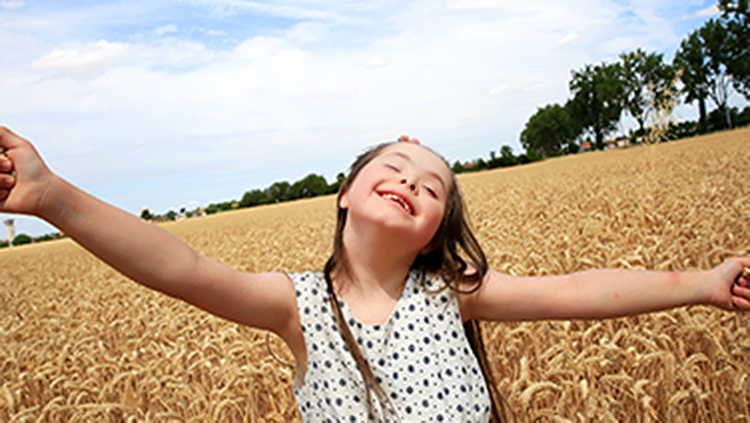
{"x":344,"y":200}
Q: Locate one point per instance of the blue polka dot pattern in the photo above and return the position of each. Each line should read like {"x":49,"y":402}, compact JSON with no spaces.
{"x":420,"y":356}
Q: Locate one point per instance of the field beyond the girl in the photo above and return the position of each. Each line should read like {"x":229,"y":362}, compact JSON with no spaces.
{"x":79,"y":342}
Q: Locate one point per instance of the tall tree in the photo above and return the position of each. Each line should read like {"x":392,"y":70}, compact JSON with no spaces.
{"x":506,"y":156}
{"x":647,"y":80}
{"x":279,"y":192}
{"x":703,"y":60}
{"x":549,"y":130}
{"x":255,"y":197}
{"x":736,"y":17}
{"x":689,"y":61}
{"x":310,"y":186}
{"x":598,"y":97}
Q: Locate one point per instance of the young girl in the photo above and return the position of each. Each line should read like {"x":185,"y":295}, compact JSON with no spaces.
{"x":386,"y":330}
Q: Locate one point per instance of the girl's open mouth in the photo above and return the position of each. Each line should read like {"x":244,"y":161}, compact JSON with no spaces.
{"x":399,"y":200}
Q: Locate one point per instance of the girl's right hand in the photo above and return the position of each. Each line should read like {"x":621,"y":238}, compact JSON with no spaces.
{"x":24,"y":178}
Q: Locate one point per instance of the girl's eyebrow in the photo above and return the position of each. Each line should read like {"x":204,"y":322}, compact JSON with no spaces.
{"x":429,"y":172}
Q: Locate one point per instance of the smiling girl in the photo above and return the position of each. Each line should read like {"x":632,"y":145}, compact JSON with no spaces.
{"x":387,"y":331}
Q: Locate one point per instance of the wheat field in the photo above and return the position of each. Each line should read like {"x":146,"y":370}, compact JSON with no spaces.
{"x":79,"y":342}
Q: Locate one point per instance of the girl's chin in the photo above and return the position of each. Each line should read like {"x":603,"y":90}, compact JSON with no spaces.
{"x":401,"y":229}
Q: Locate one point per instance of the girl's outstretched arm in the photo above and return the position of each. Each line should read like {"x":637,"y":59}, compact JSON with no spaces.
{"x":605,"y":293}
{"x":142,"y":251}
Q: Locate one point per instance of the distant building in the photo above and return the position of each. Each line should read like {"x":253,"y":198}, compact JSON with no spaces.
{"x":586,"y":146}
{"x":620,"y":142}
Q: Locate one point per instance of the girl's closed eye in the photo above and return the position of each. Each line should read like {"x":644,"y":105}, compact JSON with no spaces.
{"x":392,"y":167}
{"x":430,"y":190}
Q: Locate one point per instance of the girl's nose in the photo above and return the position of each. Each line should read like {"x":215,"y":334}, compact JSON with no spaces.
{"x":409,"y":184}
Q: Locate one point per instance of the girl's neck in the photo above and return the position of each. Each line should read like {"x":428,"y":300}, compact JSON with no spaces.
{"x":374,"y":265}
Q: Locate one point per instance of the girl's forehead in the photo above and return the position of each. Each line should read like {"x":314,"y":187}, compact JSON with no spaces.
{"x":420,"y":156}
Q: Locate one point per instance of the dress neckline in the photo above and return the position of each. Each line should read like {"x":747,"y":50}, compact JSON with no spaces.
{"x":352,"y":317}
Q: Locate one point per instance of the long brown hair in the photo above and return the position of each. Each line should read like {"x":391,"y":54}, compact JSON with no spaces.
{"x":452,"y":241}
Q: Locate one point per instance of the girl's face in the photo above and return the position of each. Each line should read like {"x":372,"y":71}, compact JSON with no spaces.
{"x":403,"y":189}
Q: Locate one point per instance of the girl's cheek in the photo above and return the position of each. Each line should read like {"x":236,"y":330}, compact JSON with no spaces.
{"x":436,"y":217}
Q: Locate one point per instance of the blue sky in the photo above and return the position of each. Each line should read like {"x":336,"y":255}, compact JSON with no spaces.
{"x":170,"y":104}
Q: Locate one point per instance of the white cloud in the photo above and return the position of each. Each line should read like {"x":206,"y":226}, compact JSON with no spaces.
{"x":707,"y":12}
{"x":86,"y":60}
{"x":166,"y":29}
{"x":567,"y":39}
{"x":214,"y":33}
{"x":306,"y":10}
{"x":473,"y":4}
{"x":499,"y":90}
{"x":12,"y":4}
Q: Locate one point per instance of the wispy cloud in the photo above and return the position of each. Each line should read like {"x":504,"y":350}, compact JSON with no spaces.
{"x":567,"y":39}
{"x":86,"y":60}
{"x":294,"y":10}
{"x":712,"y":10}
{"x":11,"y":4}
{"x":166,"y":29}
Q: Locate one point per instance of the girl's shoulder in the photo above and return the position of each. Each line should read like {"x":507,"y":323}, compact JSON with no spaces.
{"x":307,"y":278}
{"x":309,"y":284}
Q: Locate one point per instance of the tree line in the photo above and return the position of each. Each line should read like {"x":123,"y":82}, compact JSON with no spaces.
{"x":22,"y":239}
{"x":310,"y":186}
{"x":709,"y":62}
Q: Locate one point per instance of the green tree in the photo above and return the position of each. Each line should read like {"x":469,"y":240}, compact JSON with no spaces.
{"x":226,"y":205}
{"x":743,"y":118}
{"x":506,"y":156}
{"x":311,"y":185}
{"x":702,"y":62}
{"x":253,"y":198}
{"x":736,"y":17}
{"x":647,"y":83}
{"x":531,"y":156}
{"x":22,"y":239}
{"x":279,"y":191}
{"x":44,"y":238}
{"x":146,"y":214}
{"x":716,"y":120}
{"x":549,"y":130}
{"x":598,"y":94}
{"x":494,"y":161}
{"x":334,"y":187}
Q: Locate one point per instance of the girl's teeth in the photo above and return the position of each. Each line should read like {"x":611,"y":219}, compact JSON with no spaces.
{"x":400,"y":201}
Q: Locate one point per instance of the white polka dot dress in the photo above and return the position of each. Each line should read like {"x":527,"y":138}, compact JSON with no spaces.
{"x":420,"y":356}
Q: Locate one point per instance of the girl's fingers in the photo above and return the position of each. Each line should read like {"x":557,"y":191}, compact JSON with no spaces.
{"x":741,"y":303}
{"x":740,"y":291}
{"x":6,"y":166}
{"x":6,"y":181}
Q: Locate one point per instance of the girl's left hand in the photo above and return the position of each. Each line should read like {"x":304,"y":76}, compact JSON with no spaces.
{"x":726,"y":286}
